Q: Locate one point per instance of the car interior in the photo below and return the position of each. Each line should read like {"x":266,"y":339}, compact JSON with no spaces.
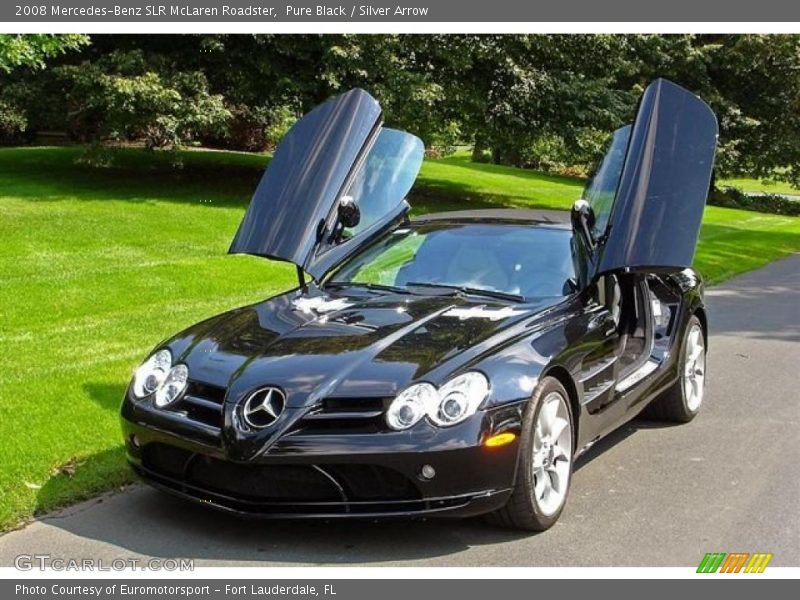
{"x":508,"y":260}
{"x":627,"y":298}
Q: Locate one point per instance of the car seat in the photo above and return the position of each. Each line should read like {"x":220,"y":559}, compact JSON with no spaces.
{"x":477,"y":266}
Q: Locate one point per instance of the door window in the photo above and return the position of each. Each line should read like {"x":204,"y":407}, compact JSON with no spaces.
{"x":385,"y":177}
{"x":602,"y":188}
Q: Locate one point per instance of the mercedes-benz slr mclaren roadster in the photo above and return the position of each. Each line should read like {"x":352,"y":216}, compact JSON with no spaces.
{"x":453,"y":364}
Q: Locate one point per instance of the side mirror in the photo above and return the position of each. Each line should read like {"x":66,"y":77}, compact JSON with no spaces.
{"x":349,"y":213}
{"x":582,"y":218}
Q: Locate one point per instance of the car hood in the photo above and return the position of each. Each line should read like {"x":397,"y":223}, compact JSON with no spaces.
{"x":314,"y":345}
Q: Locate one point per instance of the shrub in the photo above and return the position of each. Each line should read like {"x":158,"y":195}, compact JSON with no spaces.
{"x":38,"y":99}
{"x":97,"y":155}
{"x":730,"y":197}
{"x":545,"y":153}
{"x":552,"y":152}
{"x":118,"y":98}
{"x":282,"y":119}
{"x":444,"y":141}
{"x":253,"y":129}
{"x":13,"y":125}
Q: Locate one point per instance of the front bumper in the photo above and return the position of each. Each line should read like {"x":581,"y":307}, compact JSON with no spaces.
{"x":335,"y":476}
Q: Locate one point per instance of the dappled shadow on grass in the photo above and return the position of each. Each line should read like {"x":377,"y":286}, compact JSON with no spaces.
{"x":215,"y":179}
{"x":83,"y":477}
{"x":465,"y":162}
{"x":431,"y":195}
{"x":106,"y":395}
{"x":725,"y":250}
{"x":518,"y":188}
{"x":427,"y":201}
{"x":136,"y":175}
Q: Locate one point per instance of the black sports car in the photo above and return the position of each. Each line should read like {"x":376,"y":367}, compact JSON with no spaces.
{"x":453,"y":364}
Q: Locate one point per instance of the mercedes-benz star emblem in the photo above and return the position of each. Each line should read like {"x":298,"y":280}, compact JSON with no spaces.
{"x":263,"y":407}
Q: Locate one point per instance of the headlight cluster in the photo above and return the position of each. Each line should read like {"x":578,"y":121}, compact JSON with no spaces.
{"x":157,"y":375}
{"x":456,"y":400}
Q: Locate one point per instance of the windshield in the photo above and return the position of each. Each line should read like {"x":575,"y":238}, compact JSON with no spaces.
{"x":520,"y":260}
{"x":602,"y":188}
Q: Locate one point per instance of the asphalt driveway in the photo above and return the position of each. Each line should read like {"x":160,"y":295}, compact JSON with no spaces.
{"x":650,"y":494}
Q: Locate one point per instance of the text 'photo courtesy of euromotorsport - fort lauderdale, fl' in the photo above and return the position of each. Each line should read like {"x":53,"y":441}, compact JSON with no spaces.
{"x":169,"y":590}
{"x":395,"y":293}
{"x":223,"y":10}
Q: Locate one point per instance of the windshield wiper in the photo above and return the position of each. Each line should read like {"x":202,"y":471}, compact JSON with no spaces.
{"x":469,"y":290}
{"x":369,"y":286}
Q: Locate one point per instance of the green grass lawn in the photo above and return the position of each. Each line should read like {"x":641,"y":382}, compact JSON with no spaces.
{"x":455,"y":180}
{"x":98,"y":265}
{"x":765,"y":186}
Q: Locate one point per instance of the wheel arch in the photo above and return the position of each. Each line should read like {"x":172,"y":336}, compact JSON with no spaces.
{"x":564,"y":378}
{"x":700,"y":313}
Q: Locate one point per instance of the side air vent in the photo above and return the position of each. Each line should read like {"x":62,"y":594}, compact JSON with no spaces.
{"x":345,"y":416}
{"x":201,"y":403}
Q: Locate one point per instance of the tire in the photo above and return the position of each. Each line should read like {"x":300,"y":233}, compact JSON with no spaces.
{"x":527,"y":508}
{"x":682,"y":402}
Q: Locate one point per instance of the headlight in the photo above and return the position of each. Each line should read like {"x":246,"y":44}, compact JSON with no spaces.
{"x":149,"y":377}
{"x":459,"y":398}
{"x":456,"y":400}
{"x":173,"y":385}
{"x":411,"y":405}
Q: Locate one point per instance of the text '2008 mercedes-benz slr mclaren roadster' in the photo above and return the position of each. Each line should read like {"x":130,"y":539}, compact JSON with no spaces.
{"x":454,"y":364}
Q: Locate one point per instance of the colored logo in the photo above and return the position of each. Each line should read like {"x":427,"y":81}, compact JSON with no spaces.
{"x":737,"y":562}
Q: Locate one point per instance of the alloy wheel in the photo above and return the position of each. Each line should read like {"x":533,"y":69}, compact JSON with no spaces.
{"x":694,"y":368}
{"x":552,"y":454}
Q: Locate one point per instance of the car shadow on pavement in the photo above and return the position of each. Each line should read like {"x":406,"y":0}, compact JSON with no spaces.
{"x":617,"y":436}
{"x":144,"y":521}
{"x":147,"y":522}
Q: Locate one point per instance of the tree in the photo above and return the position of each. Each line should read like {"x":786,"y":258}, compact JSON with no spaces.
{"x":544,"y":101}
{"x":33,"y":50}
{"x":525,"y":96}
{"x":757,"y":84}
{"x":118,"y":97}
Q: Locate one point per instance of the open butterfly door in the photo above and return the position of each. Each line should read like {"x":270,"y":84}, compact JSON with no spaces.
{"x":649,"y":193}
{"x":337,"y":178}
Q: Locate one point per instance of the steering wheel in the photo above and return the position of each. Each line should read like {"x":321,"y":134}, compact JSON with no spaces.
{"x":547,"y":282}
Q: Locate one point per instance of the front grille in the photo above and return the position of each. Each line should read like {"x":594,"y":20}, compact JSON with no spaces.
{"x":262,"y":482}
{"x":345,"y":416}
{"x":333,"y":488}
{"x":202,"y":403}
{"x":166,"y":460}
{"x":370,"y":482}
